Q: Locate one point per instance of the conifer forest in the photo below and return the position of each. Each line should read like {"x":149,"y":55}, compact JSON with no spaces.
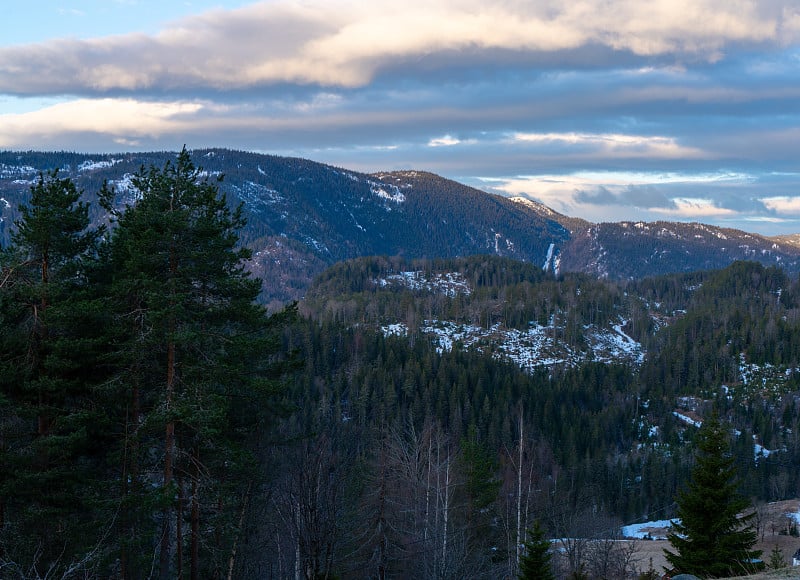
{"x":408,"y":418}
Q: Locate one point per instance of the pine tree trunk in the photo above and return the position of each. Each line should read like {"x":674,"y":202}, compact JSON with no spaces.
{"x":195,"y":542}
{"x":519,"y":492}
{"x":234,"y":548}
{"x":179,"y":532}
{"x":169,"y":458}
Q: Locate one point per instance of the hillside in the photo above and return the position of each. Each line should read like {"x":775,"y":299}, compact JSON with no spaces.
{"x":305,"y":216}
{"x":405,"y":344}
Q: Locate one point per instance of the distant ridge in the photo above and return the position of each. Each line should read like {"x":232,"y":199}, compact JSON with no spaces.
{"x":304,"y":216}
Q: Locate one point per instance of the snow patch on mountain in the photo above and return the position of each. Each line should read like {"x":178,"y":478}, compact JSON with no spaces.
{"x":91,"y":165}
{"x":388,"y":192}
{"x":616,"y":345}
{"x":538,"y":346}
{"x":397,"y":329}
{"x":10,"y":171}
{"x":130,"y":193}
{"x":257,"y":197}
{"x":539,"y":208}
{"x":449,"y":283}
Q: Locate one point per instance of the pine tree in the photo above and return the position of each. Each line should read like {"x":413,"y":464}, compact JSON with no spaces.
{"x":534,"y":564}
{"x":52,"y":441}
{"x":712,"y":538}
{"x":193,"y":369}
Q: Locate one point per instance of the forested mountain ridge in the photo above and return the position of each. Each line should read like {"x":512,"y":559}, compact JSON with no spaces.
{"x":606,"y":439}
{"x":305,"y":216}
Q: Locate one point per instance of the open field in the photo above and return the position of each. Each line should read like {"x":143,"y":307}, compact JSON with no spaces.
{"x":772,"y":521}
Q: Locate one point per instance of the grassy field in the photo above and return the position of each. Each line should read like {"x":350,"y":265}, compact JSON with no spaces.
{"x":772,"y":521}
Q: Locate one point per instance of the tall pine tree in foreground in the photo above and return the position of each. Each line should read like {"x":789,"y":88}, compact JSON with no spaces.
{"x":50,"y":447}
{"x":194,"y":374}
{"x":713,"y":538}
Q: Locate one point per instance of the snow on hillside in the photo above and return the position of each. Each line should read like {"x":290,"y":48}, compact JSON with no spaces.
{"x":535,"y":205}
{"x":257,"y":197}
{"x":91,"y":165}
{"x":538,"y":346}
{"x":11,"y":171}
{"x":393,"y":194}
{"x":126,"y":187}
{"x":449,"y":283}
{"x":613,"y":346}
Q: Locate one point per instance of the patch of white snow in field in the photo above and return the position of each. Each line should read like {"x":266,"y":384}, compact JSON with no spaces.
{"x":655,"y":530}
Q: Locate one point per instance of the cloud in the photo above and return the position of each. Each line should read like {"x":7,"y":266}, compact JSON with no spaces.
{"x":695,"y":209}
{"x":614,"y":145}
{"x":637,"y":196}
{"x":124,"y":120}
{"x":450,"y":141}
{"x":783,"y":204}
{"x":347,"y":43}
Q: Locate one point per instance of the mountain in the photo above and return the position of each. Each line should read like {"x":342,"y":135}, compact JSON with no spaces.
{"x":305,"y":216}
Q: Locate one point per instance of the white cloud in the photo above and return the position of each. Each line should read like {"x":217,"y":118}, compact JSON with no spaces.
{"x":694,"y":208}
{"x":444,"y":141}
{"x":614,"y":145}
{"x":783,"y":204}
{"x":123,"y":119}
{"x":450,"y":141}
{"x":344,"y":43}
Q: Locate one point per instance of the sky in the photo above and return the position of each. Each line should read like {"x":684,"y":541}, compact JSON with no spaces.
{"x":607,"y":110}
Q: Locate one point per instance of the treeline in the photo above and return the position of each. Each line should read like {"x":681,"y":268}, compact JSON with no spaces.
{"x":139,"y":381}
{"x":411,"y":463}
{"x":594,"y":445}
{"x":517,"y":294}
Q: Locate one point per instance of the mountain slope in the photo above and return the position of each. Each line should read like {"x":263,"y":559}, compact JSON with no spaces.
{"x":305,"y":216}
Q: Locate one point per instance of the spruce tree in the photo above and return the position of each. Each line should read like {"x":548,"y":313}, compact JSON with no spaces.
{"x":534,"y":564}
{"x":713,"y":539}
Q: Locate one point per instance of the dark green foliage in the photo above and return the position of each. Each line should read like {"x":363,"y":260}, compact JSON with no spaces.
{"x":776,"y":559}
{"x":192,"y":364}
{"x":138,"y":379}
{"x":50,"y":433}
{"x":378,"y":418}
{"x":535,"y":563}
{"x":713,"y":538}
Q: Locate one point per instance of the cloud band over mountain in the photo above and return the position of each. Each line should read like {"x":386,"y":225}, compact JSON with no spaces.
{"x":500,"y":94}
